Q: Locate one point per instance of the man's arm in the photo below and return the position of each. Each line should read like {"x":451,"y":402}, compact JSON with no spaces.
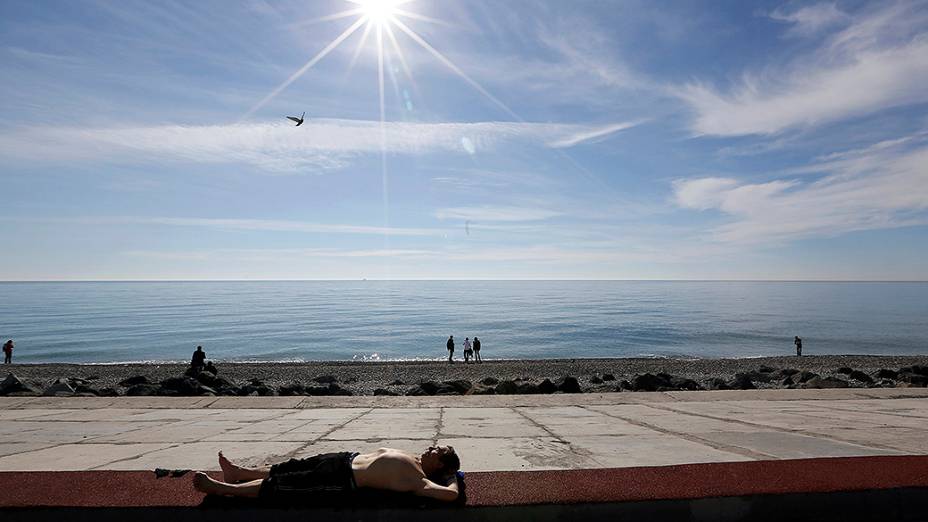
{"x":448,"y":493}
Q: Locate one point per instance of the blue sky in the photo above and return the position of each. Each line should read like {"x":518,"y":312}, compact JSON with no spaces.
{"x":536,"y":140}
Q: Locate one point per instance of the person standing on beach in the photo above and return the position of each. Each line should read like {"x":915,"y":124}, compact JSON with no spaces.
{"x":476,"y":349}
{"x":450,"y":345}
{"x":8,"y":352}
{"x":468,"y":349}
{"x":798,"y":342}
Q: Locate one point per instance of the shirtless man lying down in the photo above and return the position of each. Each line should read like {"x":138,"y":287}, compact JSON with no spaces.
{"x":433,"y":474}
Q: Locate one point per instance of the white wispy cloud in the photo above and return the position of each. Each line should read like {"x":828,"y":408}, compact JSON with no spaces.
{"x":880,"y":60}
{"x":238,"y":224}
{"x":496,"y":213}
{"x":318,"y":144}
{"x":810,"y":19}
{"x":883,"y":186}
{"x":591,"y":134}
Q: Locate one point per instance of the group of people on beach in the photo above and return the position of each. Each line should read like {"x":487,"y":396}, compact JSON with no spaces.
{"x":471,"y":350}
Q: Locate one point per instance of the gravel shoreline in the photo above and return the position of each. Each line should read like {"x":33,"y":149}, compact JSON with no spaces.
{"x":363,"y":378}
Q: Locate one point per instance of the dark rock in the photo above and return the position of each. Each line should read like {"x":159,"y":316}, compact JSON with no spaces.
{"x":397,"y":382}
{"x":207,"y":378}
{"x":13,"y":385}
{"x":256,"y":390}
{"x":917,"y":369}
{"x":546,"y":386}
{"x":858,"y":375}
{"x":913,"y":379}
{"x":786,"y":372}
{"x":766,"y":369}
{"x":759,"y":376}
{"x":384,"y":391}
{"x":57,"y":388}
{"x":142,"y":390}
{"x":844,"y":370}
{"x":507,"y":388}
{"x":351,"y":380}
{"x":416,"y":391}
{"x":648,"y":382}
{"x":886,"y":374}
{"x":484,"y":390}
{"x":717,"y":383}
{"x":430,"y":387}
{"x":326,"y":379}
{"x":336,"y":390}
{"x":596,"y":379}
{"x":316,"y":391}
{"x":527,"y":388}
{"x":568,"y":384}
{"x":624,"y":386}
{"x":804,"y":376}
{"x":107,"y":392}
{"x":132,"y":381}
{"x":460,"y":387}
{"x":291,"y":389}
{"x":742,"y":381}
{"x":206,"y":390}
{"x":184,"y":386}
{"x":222,"y":382}
{"x":490,"y":381}
{"x":825,"y":382}
{"x":682,"y":383}
{"x":608,"y":377}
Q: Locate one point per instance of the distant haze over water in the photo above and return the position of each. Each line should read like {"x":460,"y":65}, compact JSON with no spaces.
{"x":102,"y":322}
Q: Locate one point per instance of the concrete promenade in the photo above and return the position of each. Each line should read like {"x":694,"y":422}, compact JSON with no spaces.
{"x":491,"y":433}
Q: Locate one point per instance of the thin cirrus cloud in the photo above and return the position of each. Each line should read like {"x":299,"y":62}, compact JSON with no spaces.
{"x":810,"y":19}
{"x":879,"y":61}
{"x":273,"y":225}
{"x":495,"y":214}
{"x":318,"y":145}
{"x":883,"y":186}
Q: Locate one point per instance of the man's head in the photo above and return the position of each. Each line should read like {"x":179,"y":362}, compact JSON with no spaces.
{"x":199,"y":348}
{"x":439,"y":460}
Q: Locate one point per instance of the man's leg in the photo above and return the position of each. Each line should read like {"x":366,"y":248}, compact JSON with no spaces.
{"x":203,"y":483}
{"x":232,"y":473}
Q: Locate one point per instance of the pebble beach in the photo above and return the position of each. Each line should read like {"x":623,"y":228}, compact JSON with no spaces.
{"x":363,"y":378}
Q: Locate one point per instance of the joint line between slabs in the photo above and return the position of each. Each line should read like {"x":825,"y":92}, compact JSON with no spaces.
{"x":335,"y":428}
{"x":796,"y":431}
{"x":744,"y":452}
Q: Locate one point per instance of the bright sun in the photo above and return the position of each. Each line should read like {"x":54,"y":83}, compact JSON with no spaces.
{"x":379,"y":11}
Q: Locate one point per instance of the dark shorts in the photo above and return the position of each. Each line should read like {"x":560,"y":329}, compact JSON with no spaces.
{"x":296,"y":479}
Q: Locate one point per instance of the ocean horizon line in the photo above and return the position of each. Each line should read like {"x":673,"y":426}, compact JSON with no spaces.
{"x":15,"y":281}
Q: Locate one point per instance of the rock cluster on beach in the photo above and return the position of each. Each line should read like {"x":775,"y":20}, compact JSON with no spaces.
{"x":428,"y":379}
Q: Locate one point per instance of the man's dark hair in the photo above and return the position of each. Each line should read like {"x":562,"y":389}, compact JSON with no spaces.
{"x":450,"y":461}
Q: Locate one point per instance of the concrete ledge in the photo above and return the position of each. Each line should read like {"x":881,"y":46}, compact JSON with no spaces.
{"x":855,"y":488}
{"x":457,"y":401}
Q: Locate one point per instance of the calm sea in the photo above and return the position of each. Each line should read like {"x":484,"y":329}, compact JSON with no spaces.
{"x":390,"y":320}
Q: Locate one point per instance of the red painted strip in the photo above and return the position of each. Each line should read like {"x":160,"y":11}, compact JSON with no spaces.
{"x":722,"y":479}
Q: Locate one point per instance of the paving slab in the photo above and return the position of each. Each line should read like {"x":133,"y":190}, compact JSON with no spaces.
{"x":391,"y":424}
{"x":72,"y":457}
{"x":488,"y":422}
{"x":520,"y":454}
{"x":203,"y":455}
{"x":793,"y":445}
{"x":566,"y":421}
{"x":649,"y":450}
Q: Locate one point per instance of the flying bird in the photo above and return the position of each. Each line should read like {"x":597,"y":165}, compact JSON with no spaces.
{"x":299,"y":121}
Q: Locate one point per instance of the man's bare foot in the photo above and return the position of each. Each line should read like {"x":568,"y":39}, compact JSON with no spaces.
{"x":230,"y":472}
{"x":204,"y":484}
